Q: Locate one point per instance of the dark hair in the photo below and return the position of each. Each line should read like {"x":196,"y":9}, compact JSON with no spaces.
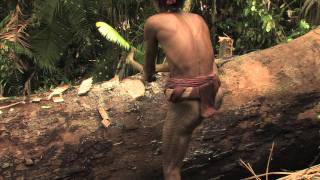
{"x":163,"y":5}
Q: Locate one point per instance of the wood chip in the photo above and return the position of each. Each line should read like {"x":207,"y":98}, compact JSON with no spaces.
{"x":45,"y":107}
{"x":58,"y":90}
{"x":85,"y":87}
{"x":58,"y":99}
{"x":106,"y":119}
{"x":3,"y":98}
{"x":36,"y":99}
{"x":106,"y":123}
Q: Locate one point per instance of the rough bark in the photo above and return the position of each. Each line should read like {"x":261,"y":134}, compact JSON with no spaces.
{"x":271,"y":96}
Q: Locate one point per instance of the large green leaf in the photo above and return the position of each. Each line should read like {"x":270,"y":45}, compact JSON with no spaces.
{"x":112,"y":35}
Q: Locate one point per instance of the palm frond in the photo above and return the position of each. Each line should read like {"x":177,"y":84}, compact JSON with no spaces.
{"x":56,"y":32}
{"x":13,"y":28}
{"x":112,"y":35}
{"x":49,"y":45}
{"x":4,"y":21}
{"x":47,"y":10}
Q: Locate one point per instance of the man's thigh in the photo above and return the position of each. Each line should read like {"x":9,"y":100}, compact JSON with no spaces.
{"x":185,"y":114}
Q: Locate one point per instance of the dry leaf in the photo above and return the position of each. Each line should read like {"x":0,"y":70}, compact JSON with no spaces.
{"x":85,"y":87}
{"x":58,"y":90}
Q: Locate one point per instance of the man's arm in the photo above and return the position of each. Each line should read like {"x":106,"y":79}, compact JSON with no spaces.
{"x":151,"y":44}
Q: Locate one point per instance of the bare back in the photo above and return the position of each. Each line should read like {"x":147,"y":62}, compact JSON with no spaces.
{"x":185,"y":39}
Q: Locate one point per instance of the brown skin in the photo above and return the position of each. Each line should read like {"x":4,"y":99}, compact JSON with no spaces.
{"x":185,"y":39}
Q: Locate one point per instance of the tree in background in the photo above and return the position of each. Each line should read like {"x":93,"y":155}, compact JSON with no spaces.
{"x":47,"y":42}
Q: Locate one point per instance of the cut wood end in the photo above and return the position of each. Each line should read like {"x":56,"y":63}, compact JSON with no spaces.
{"x":106,"y":123}
{"x":106,"y":119}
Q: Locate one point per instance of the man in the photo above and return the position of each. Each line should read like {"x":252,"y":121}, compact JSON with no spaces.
{"x":193,"y":83}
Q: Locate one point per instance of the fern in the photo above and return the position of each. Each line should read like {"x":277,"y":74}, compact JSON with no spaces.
{"x":112,"y":35}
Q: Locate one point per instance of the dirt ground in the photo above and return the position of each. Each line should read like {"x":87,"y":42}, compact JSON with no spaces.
{"x":67,"y":140}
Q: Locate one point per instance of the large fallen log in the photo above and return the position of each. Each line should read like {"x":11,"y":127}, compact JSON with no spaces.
{"x":271,"y":96}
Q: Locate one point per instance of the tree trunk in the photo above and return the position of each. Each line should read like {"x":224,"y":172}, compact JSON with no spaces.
{"x":270,"y":96}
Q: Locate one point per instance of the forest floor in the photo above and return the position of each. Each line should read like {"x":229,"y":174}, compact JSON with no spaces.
{"x":130,"y":147}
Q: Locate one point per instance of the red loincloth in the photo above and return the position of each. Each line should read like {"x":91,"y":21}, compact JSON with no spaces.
{"x":204,"y":88}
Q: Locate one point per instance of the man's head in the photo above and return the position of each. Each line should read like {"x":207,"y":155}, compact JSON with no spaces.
{"x":169,"y":5}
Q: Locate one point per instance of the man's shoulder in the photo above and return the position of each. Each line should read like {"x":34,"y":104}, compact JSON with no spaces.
{"x":170,"y":15}
{"x":160,"y":20}
{"x":158,"y":17}
{"x":197,"y":17}
{"x":152,"y":20}
{"x":157,"y":21}
{"x":166,"y":17}
{"x":150,"y":24}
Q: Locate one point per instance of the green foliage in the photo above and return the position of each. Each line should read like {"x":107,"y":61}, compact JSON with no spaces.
{"x":112,"y":35}
{"x":303,"y":27}
{"x":61,"y":23}
{"x":66,"y":45}
{"x":258,"y":24}
{"x":11,"y":68}
{"x":62,"y":38}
